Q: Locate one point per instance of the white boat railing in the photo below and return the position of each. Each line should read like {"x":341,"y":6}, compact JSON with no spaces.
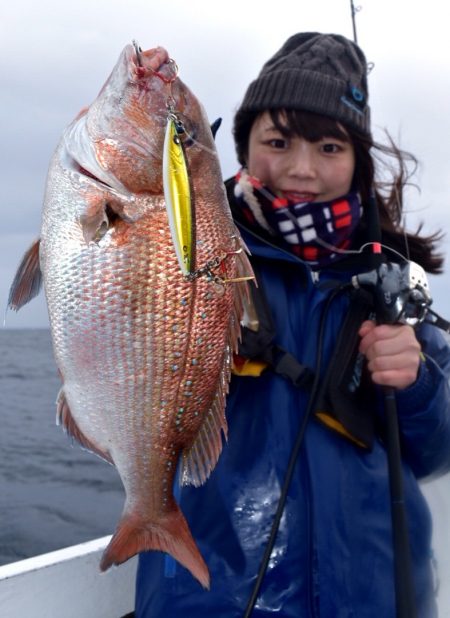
{"x":67,"y":584}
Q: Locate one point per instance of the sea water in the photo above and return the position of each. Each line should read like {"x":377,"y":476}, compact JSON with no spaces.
{"x":52,"y":493}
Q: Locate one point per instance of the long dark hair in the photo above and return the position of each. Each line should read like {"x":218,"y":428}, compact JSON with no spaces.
{"x":383,"y":167}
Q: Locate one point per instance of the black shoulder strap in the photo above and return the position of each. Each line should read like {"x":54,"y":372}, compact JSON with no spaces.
{"x":341,"y":399}
{"x":286,"y":365}
{"x":341,"y":404}
{"x":259,"y":345}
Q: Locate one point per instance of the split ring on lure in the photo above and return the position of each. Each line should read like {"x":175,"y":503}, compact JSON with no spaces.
{"x":177,"y":195}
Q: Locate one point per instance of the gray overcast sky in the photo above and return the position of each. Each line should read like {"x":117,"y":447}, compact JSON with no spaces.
{"x":54,"y":58}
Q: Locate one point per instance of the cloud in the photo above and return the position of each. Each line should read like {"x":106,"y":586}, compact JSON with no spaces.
{"x":54,"y":57}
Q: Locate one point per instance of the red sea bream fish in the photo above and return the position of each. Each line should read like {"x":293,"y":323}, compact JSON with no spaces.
{"x":145,"y":278}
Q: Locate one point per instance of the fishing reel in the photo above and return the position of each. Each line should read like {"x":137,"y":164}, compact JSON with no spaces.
{"x":400,"y":291}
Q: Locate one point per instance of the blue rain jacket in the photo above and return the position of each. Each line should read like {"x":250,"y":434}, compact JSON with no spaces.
{"x":333,"y":556}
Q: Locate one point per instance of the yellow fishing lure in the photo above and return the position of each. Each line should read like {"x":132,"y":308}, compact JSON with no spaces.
{"x":177,"y":195}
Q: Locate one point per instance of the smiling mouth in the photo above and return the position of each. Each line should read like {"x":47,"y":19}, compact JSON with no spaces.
{"x":296,"y":196}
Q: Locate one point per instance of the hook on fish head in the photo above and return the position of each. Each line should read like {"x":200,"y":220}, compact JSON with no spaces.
{"x":138,"y":50}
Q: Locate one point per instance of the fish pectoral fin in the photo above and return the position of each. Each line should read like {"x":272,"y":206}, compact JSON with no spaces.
{"x":65,"y":419}
{"x":169,"y":533}
{"x":94,"y":226}
{"x":28,"y":280}
{"x":97,"y":220}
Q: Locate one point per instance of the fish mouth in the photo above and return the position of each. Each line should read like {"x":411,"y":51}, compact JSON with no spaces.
{"x":155,"y":61}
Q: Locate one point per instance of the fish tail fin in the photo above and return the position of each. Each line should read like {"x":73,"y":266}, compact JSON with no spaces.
{"x":170,"y":534}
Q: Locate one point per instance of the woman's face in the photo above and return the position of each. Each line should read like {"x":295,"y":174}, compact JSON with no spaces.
{"x":296,"y":169}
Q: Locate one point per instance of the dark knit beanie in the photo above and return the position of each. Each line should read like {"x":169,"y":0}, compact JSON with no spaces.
{"x":321,"y":73}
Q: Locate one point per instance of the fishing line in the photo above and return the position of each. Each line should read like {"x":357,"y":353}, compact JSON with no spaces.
{"x":293,"y":457}
{"x":402,"y":219}
{"x":199,"y":144}
{"x":360,"y":250}
{"x":338,"y":250}
{"x":334,"y":249}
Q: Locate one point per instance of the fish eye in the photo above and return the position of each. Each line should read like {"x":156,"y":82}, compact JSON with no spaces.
{"x":184,"y":138}
{"x":186,"y":132}
{"x":188,"y":141}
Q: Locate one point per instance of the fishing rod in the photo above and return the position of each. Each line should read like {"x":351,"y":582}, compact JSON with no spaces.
{"x":400,"y":295}
{"x":396,"y":290}
{"x":293,"y":458}
{"x":354,"y":9}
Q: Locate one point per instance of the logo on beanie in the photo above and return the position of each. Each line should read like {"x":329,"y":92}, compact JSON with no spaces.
{"x":355,"y":99}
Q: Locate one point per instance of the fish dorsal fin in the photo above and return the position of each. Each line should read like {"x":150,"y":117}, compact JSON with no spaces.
{"x":28,"y":280}
{"x":200,"y":459}
{"x":65,"y":419}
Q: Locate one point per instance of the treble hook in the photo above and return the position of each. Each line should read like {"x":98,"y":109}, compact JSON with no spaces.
{"x":138,"y":50}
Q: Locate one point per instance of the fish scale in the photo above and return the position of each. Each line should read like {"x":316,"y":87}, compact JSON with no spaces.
{"x":144,"y":352}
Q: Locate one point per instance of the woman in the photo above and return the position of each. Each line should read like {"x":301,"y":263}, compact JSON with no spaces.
{"x":303,"y":203}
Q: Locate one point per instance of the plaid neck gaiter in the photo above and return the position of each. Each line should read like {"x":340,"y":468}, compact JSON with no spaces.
{"x":317,"y":232}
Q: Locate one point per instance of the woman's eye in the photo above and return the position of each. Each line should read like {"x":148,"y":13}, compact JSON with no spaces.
{"x":330,"y":148}
{"x":277,"y":143}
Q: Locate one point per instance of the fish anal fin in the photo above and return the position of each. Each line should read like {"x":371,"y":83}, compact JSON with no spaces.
{"x":170,"y":533}
{"x":28,"y":280}
{"x":65,"y":419}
